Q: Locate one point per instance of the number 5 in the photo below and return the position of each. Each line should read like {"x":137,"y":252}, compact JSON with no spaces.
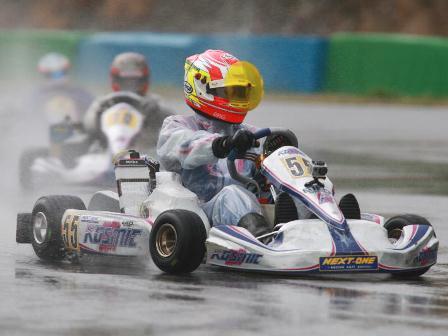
{"x":294,"y":166}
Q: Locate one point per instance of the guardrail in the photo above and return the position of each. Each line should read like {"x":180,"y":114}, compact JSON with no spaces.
{"x":387,"y":64}
{"x":360,"y":64}
{"x":287,"y":64}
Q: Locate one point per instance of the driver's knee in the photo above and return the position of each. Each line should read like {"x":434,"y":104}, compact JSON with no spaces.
{"x":239,"y":197}
{"x":232,"y":203}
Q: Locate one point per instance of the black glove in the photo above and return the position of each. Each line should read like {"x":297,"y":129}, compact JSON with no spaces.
{"x":242,"y":140}
{"x":221,"y":147}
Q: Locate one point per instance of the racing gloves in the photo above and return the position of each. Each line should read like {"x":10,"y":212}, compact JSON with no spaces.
{"x":242,"y":140}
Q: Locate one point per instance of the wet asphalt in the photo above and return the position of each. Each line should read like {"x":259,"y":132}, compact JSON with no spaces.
{"x":394,"y":158}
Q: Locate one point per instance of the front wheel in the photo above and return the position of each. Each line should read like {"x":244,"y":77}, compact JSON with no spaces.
{"x":177,"y":242}
{"x":46,"y":224}
{"x":394,"y":227}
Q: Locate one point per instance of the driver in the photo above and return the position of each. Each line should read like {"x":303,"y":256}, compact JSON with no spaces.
{"x":130,"y":73}
{"x":221,"y":90}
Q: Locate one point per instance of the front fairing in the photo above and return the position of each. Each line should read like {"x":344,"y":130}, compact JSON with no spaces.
{"x":121,"y":123}
{"x":289,"y":169}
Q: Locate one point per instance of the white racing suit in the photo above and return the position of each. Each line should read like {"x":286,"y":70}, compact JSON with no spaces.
{"x":185,"y":147}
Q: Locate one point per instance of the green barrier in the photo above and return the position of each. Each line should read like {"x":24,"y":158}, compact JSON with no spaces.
{"x":387,"y":64}
{"x":20,"y":50}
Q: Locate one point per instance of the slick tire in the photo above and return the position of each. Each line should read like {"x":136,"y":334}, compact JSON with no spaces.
{"x":395,"y":224}
{"x":177,"y":241}
{"x":46,"y":225}
{"x":394,"y":227}
{"x":26,"y":161}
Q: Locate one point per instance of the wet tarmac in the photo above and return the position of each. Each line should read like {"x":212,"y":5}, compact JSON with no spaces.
{"x":395,"y":159}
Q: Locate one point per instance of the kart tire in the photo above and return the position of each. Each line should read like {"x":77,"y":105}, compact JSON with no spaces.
{"x":398,"y":223}
{"x":48,"y":243}
{"x":26,"y":161}
{"x":23,"y":230}
{"x":177,"y":241}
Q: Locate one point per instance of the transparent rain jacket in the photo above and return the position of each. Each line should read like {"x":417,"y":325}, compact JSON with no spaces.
{"x":185,"y":147}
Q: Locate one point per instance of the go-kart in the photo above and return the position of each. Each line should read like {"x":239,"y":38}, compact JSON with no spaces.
{"x":154,"y":207}
{"x":334,"y":239}
{"x":75,"y":157}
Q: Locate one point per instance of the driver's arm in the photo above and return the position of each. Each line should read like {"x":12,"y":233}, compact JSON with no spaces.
{"x":181,"y":147}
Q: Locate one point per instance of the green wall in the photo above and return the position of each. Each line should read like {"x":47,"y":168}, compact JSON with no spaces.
{"x":360,"y":64}
{"x":387,"y":64}
{"x":21,"y":50}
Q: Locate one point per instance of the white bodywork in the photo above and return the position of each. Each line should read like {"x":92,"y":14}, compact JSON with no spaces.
{"x":328,"y":244}
{"x":121,"y":123}
{"x":171,"y":194}
{"x":105,"y":233}
{"x":127,"y":234}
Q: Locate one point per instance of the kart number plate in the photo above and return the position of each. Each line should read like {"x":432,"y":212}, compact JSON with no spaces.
{"x":70,"y":232}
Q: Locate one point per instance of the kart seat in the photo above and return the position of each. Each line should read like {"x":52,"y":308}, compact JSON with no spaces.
{"x":285,"y":209}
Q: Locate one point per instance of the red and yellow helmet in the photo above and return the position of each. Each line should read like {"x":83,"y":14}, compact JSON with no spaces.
{"x":220,"y":86}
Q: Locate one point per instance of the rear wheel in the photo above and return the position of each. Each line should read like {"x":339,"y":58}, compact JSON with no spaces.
{"x":177,"y":242}
{"x":394,"y":227}
{"x":46,"y":224}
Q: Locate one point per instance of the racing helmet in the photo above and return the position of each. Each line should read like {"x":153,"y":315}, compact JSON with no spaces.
{"x":219,"y":86}
{"x":129,"y":71}
{"x":53,"y":65}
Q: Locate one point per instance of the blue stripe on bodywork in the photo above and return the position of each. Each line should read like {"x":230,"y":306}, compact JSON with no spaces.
{"x":230,"y":231}
{"x":421,"y":231}
{"x":343,"y":239}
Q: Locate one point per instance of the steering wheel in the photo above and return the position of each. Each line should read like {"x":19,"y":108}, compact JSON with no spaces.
{"x":249,"y":182}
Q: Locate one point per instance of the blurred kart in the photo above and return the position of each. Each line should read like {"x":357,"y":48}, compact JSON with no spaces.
{"x":154,"y":207}
{"x":76,"y":158}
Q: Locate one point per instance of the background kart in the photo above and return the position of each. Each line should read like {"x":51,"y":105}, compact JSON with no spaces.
{"x":79,"y":158}
{"x":155,"y":207}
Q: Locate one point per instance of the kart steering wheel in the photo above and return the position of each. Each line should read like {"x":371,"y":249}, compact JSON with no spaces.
{"x":249,"y":182}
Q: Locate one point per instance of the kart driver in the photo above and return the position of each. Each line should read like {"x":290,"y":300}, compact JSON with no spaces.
{"x":62,"y":103}
{"x":221,"y":90}
{"x":130,"y":73}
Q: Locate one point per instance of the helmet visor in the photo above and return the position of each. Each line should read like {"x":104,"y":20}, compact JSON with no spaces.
{"x":243,"y":86}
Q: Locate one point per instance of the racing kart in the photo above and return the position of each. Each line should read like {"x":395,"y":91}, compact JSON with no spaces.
{"x":74,"y":157}
{"x":154,"y":207}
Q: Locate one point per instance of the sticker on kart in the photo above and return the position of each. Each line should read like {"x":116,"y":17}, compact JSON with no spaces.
{"x":236,"y":257}
{"x":70,"y":232}
{"x":348,"y":263}
{"x":110,"y":235}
